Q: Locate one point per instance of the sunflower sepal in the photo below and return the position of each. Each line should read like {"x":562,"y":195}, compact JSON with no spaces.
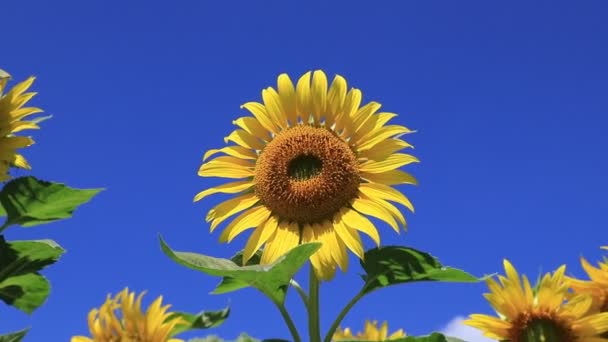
{"x":21,"y":284}
{"x":392,"y":265}
{"x":28,"y":201}
{"x":272,"y":279}
{"x":202,"y":320}
{"x":16,"y":336}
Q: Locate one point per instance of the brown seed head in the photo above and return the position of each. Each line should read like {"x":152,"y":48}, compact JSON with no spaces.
{"x":306,"y":174}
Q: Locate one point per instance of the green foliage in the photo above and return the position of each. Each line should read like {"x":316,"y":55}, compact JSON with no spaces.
{"x":272,"y":280}
{"x":13,"y":337}
{"x":20,"y":261}
{"x":391,"y":265}
{"x":203,"y":320}
{"x":28,"y":201}
{"x":213,"y":338}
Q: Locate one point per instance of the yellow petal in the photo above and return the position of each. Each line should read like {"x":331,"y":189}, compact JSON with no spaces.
{"x":228,"y":188}
{"x":274,"y":107}
{"x":250,"y":218}
{"x":319,"y":94}
{"x":17,"y":127}
{"x":228,"y":161}
{"x":230,"y":207}
{"x":384,"y":149}
{"x":359,"y":222}
{"x":374,"y":122}
{"x":7,"y":143}
{"x":370,"y":208}
{"x":335,"y":99}
{"x":226,"y":172}
{"x":252,"y":126}
{"x":235,"y":151}
{"x":363,"y":114}
{"x":375,"y":190}
{"x":21,"y":162}
{"x":338,"y":251}
{"x":244,"y":139}
{"x":259,"y":112}
{"x":262,"y":233}
{"x":303,"y":97}
{"x":349,"y":236}
{"x":367,"y":141}
{"x":285,"y":238}
{"x":393,"y":162}
{"x":287,"y":93}
{"x":390,"y":177}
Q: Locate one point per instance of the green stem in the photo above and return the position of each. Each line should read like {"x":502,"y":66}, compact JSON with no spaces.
{"x":300,"y":291}
{"x":292,"y":327}
{"x":343,"y":313}
{"x":314,"y":328}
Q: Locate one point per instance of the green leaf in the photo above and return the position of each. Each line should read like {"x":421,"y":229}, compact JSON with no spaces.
{"x":434,"y":337}
{"x":454,"y":339}
{"x":393,"y":265}
{"x":29,"y":201}
{"x":20,"y":261}
{"x":229,"y":284}
{"x":203,"y":320}
{"x":272,"y":280}
{"x":13,"y":337}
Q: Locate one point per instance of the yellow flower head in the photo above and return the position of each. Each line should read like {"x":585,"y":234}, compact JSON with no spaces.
{"x":540,"y":315}
{"x":12,"y":113}
{"x":132,"y":325}
{"x":311,"y":164}
{"x":596,"y":287}
{"x":370,"y":333}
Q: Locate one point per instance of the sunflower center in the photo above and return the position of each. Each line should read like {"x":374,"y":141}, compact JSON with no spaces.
{"x":306,"y":174}
{"x":541,"y":327}
{"x":304,"y":167}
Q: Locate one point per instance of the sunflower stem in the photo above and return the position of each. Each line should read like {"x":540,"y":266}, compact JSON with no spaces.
{"x":345,"y":310}
{"x":287,"y":318}
{"x":314,"y":328}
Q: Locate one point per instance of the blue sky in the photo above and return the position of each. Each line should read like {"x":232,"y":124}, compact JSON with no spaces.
{"x":509,"y":102}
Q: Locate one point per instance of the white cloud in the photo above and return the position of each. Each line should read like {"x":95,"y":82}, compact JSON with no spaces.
{"x":455,"y":328}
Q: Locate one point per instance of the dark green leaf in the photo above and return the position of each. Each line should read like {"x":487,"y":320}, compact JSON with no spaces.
{"x":13,"y":337}
{"x":393,"y":265}
{"x":20,"y":261}
{"x":454,"y":339}
{"x":29,"y":201}
{"x":203,"y":320}
{"x":272,"y":280}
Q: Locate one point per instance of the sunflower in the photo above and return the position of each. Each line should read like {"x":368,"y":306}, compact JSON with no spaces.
{"x":311,"y":164}
{"x":12,"y":112}
{"x":370,"y":333}
{"x":134,"y":325}
{"x":596,"y":287}
{"x":542,"y":314}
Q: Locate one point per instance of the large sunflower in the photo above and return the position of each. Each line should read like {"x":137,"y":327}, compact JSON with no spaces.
{"x":312,"y":164}
{"x":132,"y":325}
{"x":370,"y":333}
{"x":12,"y":112}
{"x":542,"y":314}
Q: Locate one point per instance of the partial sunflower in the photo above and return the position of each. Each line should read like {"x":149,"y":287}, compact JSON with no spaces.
{"x":370,"y":333}
{"x":596,"y":287}
{"x":132,"y":325}
{"x":542,"y":314}
{"x":12,"y":113}
{"x":312,"y":163}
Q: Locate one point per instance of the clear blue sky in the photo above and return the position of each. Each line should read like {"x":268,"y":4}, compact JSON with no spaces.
{"x":509,"y":101}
